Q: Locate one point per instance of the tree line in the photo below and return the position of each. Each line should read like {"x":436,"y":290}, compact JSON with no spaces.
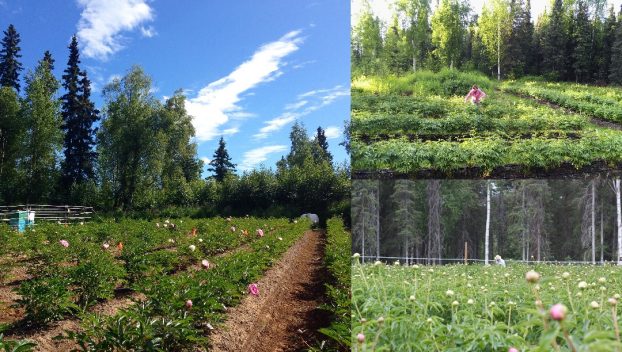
{"x":138,"y":152}
{"x":520,"y":219}
{"x":574,"y":40}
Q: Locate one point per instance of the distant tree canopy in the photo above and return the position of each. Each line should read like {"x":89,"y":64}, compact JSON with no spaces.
{"x":138,"y":154}
{"x":575,"y":40}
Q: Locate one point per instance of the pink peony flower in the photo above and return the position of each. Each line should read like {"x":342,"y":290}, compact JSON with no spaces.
{"x":205,"y":263}
{"x":253,"y":289}
{"x":512,"y":349}
{"x":558,"y":312}
{"x":260,"y":232}
{"x":105,"y":246}
{"x":64,"y":243}
{"x":361,"y":338}
{"x":188,"y":304}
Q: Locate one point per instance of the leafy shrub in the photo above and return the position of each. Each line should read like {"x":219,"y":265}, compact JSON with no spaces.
{"x":96,"y":277}
{"x":46,"y":299}
{"x":15,"y":346}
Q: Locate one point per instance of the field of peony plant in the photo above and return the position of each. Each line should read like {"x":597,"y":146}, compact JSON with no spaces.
{"x":186,"y":271}
{"x":477,"y":308}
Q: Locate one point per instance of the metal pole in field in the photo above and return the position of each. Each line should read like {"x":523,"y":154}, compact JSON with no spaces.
{"x":466,"y":249}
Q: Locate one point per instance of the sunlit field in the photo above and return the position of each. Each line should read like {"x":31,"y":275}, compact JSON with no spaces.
{"x":520,"y":307}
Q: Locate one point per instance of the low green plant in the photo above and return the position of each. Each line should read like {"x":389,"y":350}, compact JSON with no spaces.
{"x":46,"y":299}
{"x":15,"y":346}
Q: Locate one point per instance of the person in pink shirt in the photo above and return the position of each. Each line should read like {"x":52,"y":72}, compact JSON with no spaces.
{"x":475,"y":94}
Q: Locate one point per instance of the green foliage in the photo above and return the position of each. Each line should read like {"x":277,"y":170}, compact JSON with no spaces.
{"x":15,"y":346}
{"x":11,"y":133}
{"x":337,"y":259}
{"x":221,"y":164}
{"x":95,"y":277}
{"x":46,"y":299}
{"x":9,"y":55}
{"x":502,"y":313}
{"x":43,"y":136}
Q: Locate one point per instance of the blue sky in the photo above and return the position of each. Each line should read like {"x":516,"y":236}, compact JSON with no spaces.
{"x":249,"y":68}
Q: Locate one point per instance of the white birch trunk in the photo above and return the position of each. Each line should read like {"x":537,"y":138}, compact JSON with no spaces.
{"x":619,"y":212}
{"x":487,"y":238}
{"x":593,"y":222}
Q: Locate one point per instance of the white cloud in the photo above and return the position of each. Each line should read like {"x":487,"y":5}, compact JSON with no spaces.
{"x":256,"y":156}
{"x":295,"y":106}
{"x":332,"y":132}
{"x":148,"y":32}
{"x":102,"y":22}
{"x":206,"y":160}
{"x":313,"y":100}
{"x":216,"y":103}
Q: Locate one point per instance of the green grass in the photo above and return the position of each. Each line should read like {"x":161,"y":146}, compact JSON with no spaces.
{"x":411,"y":308}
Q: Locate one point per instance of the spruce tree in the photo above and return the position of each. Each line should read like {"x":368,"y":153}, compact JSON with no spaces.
{"x":582,"y":53}
{"x":321,"y":151}
{"x":608,"y":39}
{"x":519,"y":46}
{"x":9,"y":55}
{"x":615,"y":70}
{"x":221,"y":164}
{"x":554,"y":43}
{"x":47,"y":57}
{"x":79,"y":114}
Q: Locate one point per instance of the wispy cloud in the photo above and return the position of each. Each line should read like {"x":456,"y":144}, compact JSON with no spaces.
{"x":148,"y":32}
{"x":332,"y":132}
{"x":257,"y":156}
{"x":217,"y":103}
{"x":305,"y":104}
{"x":102,"y":22}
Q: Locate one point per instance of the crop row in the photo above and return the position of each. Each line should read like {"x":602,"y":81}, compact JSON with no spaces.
{"x":72,"y":268}
{"x":180,"y":310}
{"x":337,"y":260}
{"x":487,"y":153}
{"x":478,"y":308}
{"x":587,"y":104}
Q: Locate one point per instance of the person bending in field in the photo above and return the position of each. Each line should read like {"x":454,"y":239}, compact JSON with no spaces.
{"x":475,"y":95}
{"x":499,"y":260}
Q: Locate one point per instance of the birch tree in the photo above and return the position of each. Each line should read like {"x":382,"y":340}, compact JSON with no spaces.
{"x":495,"y":26}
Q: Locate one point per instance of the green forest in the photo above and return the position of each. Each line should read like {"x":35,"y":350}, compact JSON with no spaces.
{"x":137,"y":153}
{"x":530,"y":219}
{"x":574,"y":40}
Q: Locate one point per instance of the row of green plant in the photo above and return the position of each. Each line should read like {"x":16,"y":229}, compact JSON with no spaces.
{"x":445,"y":83}
{"x":483,"y":308}
{"x":74,"y":267}
{"x":487,"y":153}
{"x":181,"y":310}
{"x":373,"y":125}
{"x":337,"y":260}
{"x":588,"y":104}
{"x":609,"y":93}
{"x":503,"y":113}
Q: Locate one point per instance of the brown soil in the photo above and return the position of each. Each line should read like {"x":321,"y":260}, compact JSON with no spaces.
{"x":44,"y":337}
{"x":285,"y":315}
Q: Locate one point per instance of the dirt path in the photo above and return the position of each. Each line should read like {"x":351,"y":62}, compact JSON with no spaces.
{"x":285,"y":315}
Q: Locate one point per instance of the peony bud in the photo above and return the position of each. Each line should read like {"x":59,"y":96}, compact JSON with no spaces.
{"x":558,"y":312}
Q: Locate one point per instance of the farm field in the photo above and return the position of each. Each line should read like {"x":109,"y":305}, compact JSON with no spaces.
{"x":478,"y":308}
{"x":158,"y":285}
{"x":419,"y":126}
